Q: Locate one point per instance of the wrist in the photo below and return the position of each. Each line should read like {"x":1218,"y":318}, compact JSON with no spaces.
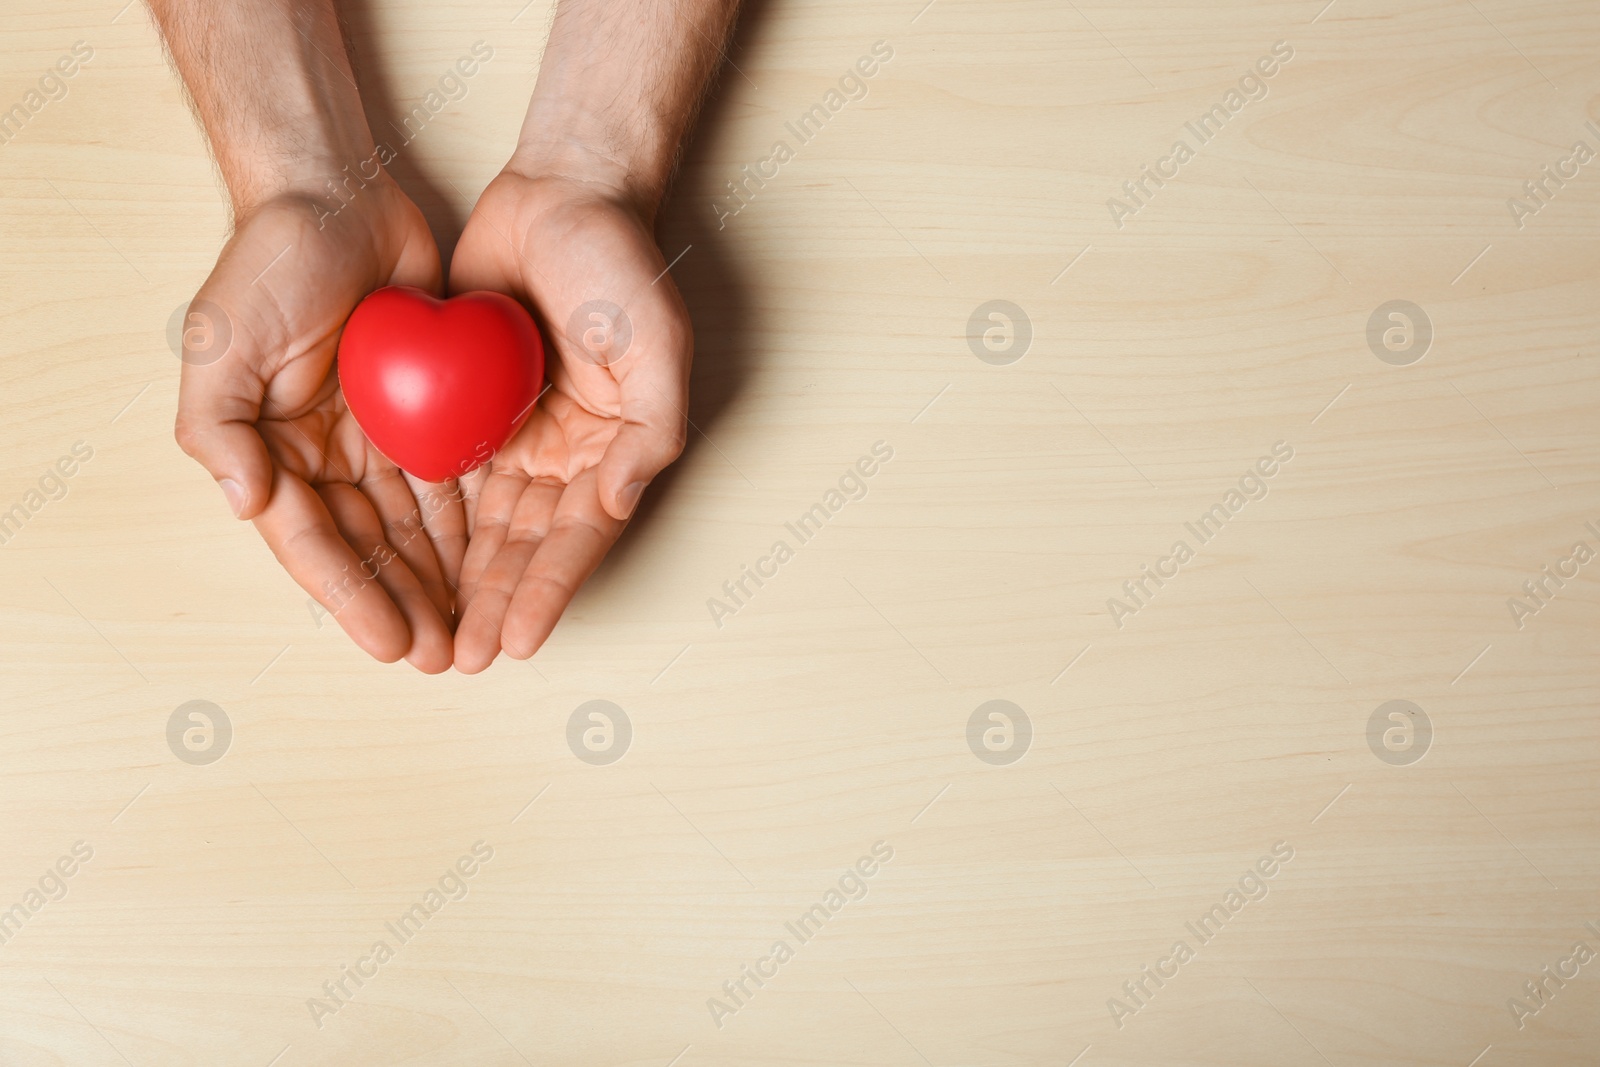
{"x":566,"y":172}
{"x":272,"y":84}
{"x":581,"y":169}
{"x":626,"y":158}
{"x":335,"y":166}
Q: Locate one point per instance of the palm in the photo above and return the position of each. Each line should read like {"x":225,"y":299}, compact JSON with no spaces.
{"x":550,"y":504}
{"x":343,"y":520}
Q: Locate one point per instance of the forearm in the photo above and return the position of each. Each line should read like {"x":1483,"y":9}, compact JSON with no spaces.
{"x":273,"y":88}
{"x":619,"y":86}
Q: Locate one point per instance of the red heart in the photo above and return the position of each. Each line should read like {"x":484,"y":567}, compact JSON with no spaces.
{"x":439,"y":386}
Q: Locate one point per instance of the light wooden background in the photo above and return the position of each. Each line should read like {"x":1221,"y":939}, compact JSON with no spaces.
{"x":769,"y":754}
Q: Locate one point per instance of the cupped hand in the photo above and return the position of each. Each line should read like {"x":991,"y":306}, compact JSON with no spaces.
{"x":260,"y":408}
{"x":545,"y":510}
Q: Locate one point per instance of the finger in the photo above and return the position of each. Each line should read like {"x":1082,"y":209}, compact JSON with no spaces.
{"x":299,"y":529}
{"x":404,"y":530}
{"x":219,"y":400}
{"x":485,"y":259}
{"x":444,"y":518}
{"x":430,"y":648}
{"x":514,"y":544}
{"x":470,"y":486}
{"x":655,"y":398}
{"x":495,"y":503}
{"x":417,"y":262}
{"x":580,"y":535}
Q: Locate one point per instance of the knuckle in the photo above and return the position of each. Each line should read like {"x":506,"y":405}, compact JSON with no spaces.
{"x":186,"y":431}
{"x":677,"y":441}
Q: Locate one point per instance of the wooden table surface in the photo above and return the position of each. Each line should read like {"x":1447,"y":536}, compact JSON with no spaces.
{"x":799,"y":832}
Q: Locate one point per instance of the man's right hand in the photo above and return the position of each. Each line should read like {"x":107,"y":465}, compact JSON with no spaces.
{"x":272,"y":84}
{"x":378,"y":549}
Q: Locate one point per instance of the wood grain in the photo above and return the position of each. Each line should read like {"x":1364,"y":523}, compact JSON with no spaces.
{"x":1167,"y":756}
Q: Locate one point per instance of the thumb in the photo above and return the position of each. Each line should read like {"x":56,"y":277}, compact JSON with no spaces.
{"x":219,"y":400}
{"x":635,"y":456}
{"x":652,"y":436}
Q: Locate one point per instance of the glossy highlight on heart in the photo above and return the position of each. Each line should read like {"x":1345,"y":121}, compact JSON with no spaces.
{"x":439,"y":386}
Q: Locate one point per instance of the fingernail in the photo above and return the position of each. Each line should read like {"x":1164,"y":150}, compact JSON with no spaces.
{"x":235,"y":494}
{"x":629,"y":497}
